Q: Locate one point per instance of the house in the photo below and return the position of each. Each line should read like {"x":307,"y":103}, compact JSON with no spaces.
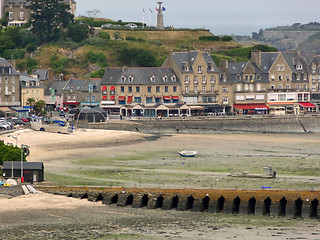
{"x":137,"y":91}
{"x":72,"y":92}
{"x":199,"y":78}
{"x":18,"y":11}
{"x":30,"y":88}
{"x":314,"y":81}
{"x":53,"y":95}
{"x":9,"y":85}
{"x":91,"y":94}
{"x":32,"y":171}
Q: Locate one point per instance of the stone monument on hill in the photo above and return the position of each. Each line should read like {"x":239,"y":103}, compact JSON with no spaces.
{"x":160,"y":17}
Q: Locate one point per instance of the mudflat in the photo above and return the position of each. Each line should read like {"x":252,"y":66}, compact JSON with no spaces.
{"x":117,"y":158}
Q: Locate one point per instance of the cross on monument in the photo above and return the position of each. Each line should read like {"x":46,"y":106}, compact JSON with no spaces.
{"x":160,"y":17}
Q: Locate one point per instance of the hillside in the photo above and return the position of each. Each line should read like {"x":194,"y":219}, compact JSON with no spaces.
{"x":72,"y":59}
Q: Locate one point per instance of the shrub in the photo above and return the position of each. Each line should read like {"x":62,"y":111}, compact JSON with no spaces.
{"x":227,"y":38}
{"x":104,"y":35}
{"x":97,"y":41}
{"x":209,"y":38}
{"x":156,"y":42}
{"x":99,"y":58}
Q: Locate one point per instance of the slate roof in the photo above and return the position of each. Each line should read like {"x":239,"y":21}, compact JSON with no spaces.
{"x":58,"y":86}
{"x":43,"y":74}
{"x":141,"y":76}
{"x":4,"y":63}
{"x":189,"y":57}
{"x":24,"y":78}
{"x":26,"y":165}
{"x":95,"y":82}
{"x":75,"y":84}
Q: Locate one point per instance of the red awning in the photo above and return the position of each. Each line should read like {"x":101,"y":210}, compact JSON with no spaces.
{"x":121,"y":98}
{"x":71,"y":103}
{"x":104,"y":97}
{"x":175,"y":97}
{"x":112,"y":88}
{"x":251,"y":106}
{"x":112,"y":98}
{"x":280,"y":103}
{"x":129,"y":99}
{"x":307,"y":104}
{"x":167,"y":98}
{"x":104,"y":88}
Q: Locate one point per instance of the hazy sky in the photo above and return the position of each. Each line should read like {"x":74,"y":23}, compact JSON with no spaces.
{"x":221,"y":17}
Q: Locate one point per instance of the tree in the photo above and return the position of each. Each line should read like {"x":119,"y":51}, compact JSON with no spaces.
{"x":78,"y":31}
{"x":49,"y":17}
{"x":30,"y":102}
{"x":39,"y":106}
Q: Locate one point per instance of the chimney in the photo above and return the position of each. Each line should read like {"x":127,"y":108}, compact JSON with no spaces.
{"x":50,"y":74}
{"x":256,"y":57}
{"x":224,"y":64}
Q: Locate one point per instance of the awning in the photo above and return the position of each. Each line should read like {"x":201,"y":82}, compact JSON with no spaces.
{"x":307,"y":104}
{"x":167,"y":98}
{"x":280,"y":103}
{"x":104,"y":97}
{"x":196,"y":108}
{"x":175,"y":97}
{"x":129,"y":100}
{"x":71,"y":103}
{"x":157,"y":97}
{"x":112,"y":98}
{"x":112,"y":88}
{"x":121,"y":98}
{"x":251,"y":106}
{"x":104,"y":88}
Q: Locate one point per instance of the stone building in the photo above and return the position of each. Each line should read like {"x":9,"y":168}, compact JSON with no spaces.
{"x":19,"y":13}
{"x":140,"y":91}
{"x":9,"y":84}
{"x":314,"y":81}
{"x":199,"y":79}
{"x":30,"y":88}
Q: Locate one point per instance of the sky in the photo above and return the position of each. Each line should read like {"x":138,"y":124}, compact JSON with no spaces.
{"x":223,"y":17}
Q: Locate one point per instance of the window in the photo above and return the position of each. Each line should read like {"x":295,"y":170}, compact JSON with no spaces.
{"x":204,"y":89}
{"x":157,"y":89}
{"x":204,"y":80}
{"x":280,"y":77}
{"x":199,"y":69}
{"x":300,"y":97}
{"x":158,"y":100}
{"x":287,"y":86}
{"x":173,"y":78}
{"x":212,"y":88}
{"x":152,"y":78}
{"x":298,"y":87}
{"x":174,"y":88}
{"x":166,"y":88}
{"x":282,"y":97}
{"x":225,"y":100}
{"x":246,"y":77}
{"x":149,"y":88}
{"x":93,"y":98}
{"x":195,"y":79}
{"x":246,"y":87}
{"x":272,"y":87}
{"x":251,"y":87}
{"x":240,"y":98}
{"x":299,"y":67}
{"x":165,"y":78}
{"x":304,"y":87}
{"x":187,"y":89}
{"x":212,"y":79}
{"x":282,"y":68}
{"x":278,"y":67}
{"x":129,"y":89}
{"x":123,"y":78}
{"x":195,"y":89}
{"x":258,"y":87}
{"x":225,"y":89}
{"x":313,"y":87}
{"x":131,"y":78}
{"x":258,"y":77}
{"x":280,"y":86}
{"x":122,"y":89}
{"x":272,"y":78}
{"x":238,"y":87}
{"x":288,"y":78}
{"x":21,"y":15}
{"x":149,"y":100}
{"x":137,"y":89}
{"x":10,"y":14}
{"x":238,"y":77}
{"x":137,"y":99}
{"x":251,"y":77}
{"x":298,"y":77}
{"x":306,"y":97}
{"x":186,"y":79}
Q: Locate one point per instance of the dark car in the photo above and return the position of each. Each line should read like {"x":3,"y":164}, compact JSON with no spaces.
{"x":17,"y":121}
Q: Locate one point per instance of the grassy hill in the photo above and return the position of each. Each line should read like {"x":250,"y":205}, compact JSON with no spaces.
{"x":107,"y":48}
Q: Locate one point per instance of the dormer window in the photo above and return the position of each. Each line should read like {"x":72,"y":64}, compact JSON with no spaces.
{"x":199,"y":69}
{"x":123,"y":78}
{"x":165,"y":78}
{"x":299,"y":67}
{"x":152,"y":78}
{"x":185,"y":66}
{"x":131,"y":78}
{"x":173,"y":78}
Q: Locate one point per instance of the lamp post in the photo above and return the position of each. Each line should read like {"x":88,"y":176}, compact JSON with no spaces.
{"x":21,"y":157}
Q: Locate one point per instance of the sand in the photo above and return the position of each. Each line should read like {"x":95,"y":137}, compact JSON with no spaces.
{"x":45,"y":216}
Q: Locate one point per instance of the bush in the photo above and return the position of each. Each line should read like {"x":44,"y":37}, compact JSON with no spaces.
{"x":156,"y":42}
{"x":129,"y":38}
{"x":104,"y":35}
{"x":78,"y":32}
{"x":209,"y":38}
{"x":98,"y":58}
{"x":98,"y":74}
{"x":227,"y":38}
{"x":14,"y":53}
{"x":97,"y":41}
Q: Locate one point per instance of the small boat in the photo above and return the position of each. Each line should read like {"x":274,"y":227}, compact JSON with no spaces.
{"x":187,"y":153}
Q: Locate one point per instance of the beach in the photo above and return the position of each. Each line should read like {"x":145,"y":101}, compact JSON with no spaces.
{"x":119,"y":158}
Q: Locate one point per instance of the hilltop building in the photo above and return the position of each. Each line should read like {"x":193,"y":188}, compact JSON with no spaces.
{"x":18,"y":11}
{"x":160,"y":17}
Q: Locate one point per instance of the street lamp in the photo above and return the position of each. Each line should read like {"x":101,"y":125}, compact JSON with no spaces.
{"x":21,"y":158}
